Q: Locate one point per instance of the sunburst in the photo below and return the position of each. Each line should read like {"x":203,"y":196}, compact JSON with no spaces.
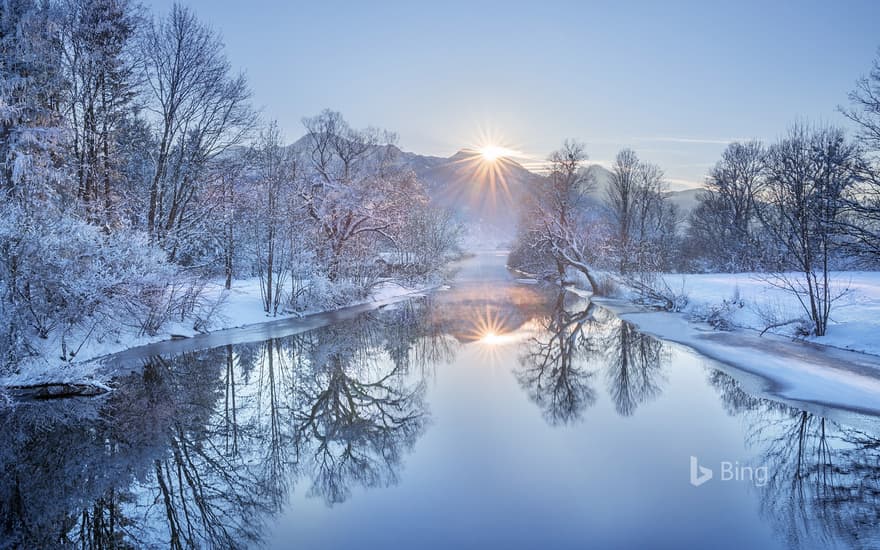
{"x":494,"y":153}
{"x":490,"y":328}
{"x":485,"y":168}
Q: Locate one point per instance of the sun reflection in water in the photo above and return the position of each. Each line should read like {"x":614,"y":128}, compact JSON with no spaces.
{"x":491,"y":332}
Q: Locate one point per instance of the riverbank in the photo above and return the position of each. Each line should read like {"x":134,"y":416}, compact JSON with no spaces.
{"x":756,"y":302}
{"x":801,"y":370}
{"x":237,"y":310}
{"x":795,"y":370}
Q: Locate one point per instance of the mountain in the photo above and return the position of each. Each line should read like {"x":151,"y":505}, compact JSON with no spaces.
{"x":601,"y":180}
{"x":483,"y":193}
{"x":686,"y":200}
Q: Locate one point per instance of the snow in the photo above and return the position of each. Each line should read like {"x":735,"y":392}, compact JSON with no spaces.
{"x":855,"y":318}
{"x":776,"y":367}
{"x":824,"y":372}
{"x":239,"y":307}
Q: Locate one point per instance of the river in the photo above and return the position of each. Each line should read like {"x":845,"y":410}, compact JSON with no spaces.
{"x":495,"y":413}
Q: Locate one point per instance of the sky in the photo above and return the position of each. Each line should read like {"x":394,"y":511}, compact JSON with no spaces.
{"x":675,"y":81}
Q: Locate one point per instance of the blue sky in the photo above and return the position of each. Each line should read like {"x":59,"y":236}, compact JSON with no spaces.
{"x":672,"y":80}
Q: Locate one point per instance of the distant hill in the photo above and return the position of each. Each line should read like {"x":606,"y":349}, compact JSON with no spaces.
{"x":483,"y":193}
{"x":686,"y":199}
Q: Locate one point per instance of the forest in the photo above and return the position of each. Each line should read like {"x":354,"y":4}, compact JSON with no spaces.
{"x":136,"y":170}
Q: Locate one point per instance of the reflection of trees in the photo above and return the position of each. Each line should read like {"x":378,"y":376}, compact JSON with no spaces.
{"x":824,"y":478}
{"x":200,"y":489}
{"x":634,"y":366}
{"x":551,"y":369}
{"x":358,"y":412}
{"x":415,"y":336}
{"x":196,"y":450}
{"x":573,"y":343}
{"x":91,"y":479}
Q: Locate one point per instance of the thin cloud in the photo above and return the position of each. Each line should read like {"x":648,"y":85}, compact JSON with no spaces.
{"x":700,"y":141}
{"x":680,"y":184}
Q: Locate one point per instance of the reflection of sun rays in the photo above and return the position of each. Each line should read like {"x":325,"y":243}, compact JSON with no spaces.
{"x":490,"y":332}
{"x":489,"y":327}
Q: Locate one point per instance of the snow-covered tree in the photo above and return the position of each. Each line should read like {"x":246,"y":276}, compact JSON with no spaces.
{"x":354,"y":192}
{"x":100,"y":68}
{"x":31,"y":89}
{"x":200,"y":110}
{"x":428,"y":239}
{"x":559,"y":222}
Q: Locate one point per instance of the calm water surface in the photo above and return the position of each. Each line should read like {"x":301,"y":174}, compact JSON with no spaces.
{"x":492,"y":414}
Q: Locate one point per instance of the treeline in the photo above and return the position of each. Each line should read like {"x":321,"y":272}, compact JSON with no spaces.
{"x":134,"y":167}
{"x":794,"y":211}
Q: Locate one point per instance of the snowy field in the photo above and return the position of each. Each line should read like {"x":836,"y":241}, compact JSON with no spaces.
{"x":238,"y":307}
{"x":753,"y":302}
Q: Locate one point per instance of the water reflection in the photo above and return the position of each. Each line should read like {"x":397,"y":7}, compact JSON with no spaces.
{"x":203,"y":449}
{"x":573,"y":342}
{"x":356,"y":412}
{"x":554,"y":368}
{"x":824,"y":484}
{"x":200,"y":449}
{"x":635,"y":363}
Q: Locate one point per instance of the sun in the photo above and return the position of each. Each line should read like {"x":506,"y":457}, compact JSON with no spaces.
{"x":492,"y":153}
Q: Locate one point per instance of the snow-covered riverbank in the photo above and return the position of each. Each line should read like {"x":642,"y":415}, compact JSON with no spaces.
{"x":771,"y":365}
{"x":840,"y":370}
{"x":750,"y":301}
{"x":236,"y":308}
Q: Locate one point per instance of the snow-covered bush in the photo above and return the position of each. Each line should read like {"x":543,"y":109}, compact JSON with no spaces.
{"x":324,"y":294}
{"x":65,"y":281}
{"x":774,"y":315}
{"x":720,"y":316}
{"x":656,"y":291}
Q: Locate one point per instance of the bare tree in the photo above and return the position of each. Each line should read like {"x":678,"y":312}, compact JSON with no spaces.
{"x":863,"y":221}
{"x":723,"y":225}
{"x":201,"y":109}
{"x":231,"y":176}
{"x":808,"y":175}
{"x":641,"y":218}
{"x":621,"y":192}
{"x":560,"y":224}
{"x":865,"y":109}
{"x":276,"y":177}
